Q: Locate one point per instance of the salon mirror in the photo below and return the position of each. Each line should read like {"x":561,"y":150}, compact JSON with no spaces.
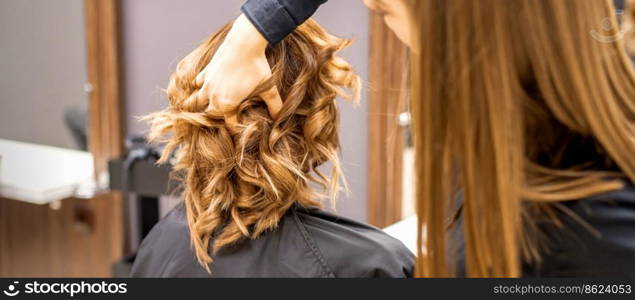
{"x":44,"y":154}
{"x":44,"y":79}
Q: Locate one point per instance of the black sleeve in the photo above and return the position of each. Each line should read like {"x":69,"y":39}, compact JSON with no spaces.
{"x":275,"y":19}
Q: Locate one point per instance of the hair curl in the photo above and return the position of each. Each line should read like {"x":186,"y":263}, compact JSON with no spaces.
{"x":240,"y":179}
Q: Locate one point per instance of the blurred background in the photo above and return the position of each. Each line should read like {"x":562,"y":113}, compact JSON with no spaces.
{"x":78,"y":185}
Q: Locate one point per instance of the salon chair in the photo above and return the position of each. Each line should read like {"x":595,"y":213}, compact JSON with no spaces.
{"x":141,"y":182}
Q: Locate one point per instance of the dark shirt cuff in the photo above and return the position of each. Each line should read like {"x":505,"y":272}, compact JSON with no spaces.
{"x":270,"y":18}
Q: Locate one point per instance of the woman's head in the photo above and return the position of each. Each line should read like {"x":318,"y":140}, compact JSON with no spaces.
{"x":516,"y":103}
{"x":240,"y":178}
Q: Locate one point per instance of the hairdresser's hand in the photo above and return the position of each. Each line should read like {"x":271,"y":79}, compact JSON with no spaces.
{"x":236,"y":70}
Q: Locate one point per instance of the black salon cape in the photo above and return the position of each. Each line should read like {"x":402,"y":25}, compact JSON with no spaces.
{"x":306,"y":243}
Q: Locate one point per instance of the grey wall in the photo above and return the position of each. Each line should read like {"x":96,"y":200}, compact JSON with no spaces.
{"x":349,"y":18}
{"x":158,"y":33}
{"x":43,"y":69}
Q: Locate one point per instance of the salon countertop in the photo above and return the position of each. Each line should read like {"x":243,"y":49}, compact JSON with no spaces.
{"x":42,"y":174}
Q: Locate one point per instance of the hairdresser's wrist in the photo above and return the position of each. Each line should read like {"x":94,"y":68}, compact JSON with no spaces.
{"x":244,"y":37}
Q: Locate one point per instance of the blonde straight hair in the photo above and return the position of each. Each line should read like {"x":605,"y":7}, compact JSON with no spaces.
{"x":504,"y":93}
{"x":629,"y":26}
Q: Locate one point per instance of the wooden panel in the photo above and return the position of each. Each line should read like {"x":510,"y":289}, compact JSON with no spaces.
{"x":106,"y":109}
{"x":388,"y":74}
{"x":84,"y":237}
{"x":76,"y":240}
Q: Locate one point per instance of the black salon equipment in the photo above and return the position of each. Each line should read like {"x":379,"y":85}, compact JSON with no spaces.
{"x":141,"y":182}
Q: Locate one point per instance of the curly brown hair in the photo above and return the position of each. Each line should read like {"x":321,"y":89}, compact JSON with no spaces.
{"x":239,"y":179}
